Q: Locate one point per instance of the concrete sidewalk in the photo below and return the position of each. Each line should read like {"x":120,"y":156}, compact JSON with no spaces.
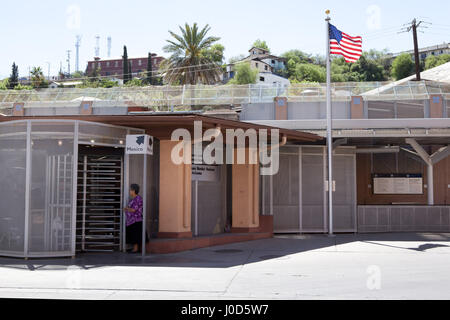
{"x":382,"y":266}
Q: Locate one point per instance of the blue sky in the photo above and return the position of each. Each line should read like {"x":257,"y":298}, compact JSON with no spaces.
{"x":33,"y":33}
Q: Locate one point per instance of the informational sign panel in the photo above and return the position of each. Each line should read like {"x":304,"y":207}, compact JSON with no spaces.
{"x":139,"y":144}
{"x":407,"y":184}
{"x":205,"y":173}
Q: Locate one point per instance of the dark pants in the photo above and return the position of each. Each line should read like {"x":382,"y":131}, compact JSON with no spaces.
{"x":134,"y":234}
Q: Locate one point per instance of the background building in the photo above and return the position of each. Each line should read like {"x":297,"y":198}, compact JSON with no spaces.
{"x":270,"y":67}
{"x":436,"y":50}
{"x":114,"y":67}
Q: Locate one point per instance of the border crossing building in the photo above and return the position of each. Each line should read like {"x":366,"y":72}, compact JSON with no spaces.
{"x":65,"y":172}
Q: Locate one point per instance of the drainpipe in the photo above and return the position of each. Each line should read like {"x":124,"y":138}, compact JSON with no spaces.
{"x":283,"y":142}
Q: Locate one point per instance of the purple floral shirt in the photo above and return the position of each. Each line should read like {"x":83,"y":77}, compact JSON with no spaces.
{"x":136,"y":204}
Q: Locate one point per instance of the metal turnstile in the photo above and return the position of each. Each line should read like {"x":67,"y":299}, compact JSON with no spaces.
{"x":99,"y":203}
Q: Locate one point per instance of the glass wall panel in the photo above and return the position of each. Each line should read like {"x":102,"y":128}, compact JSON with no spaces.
{"x":50,"y":219}
{"x":100,"y":134}
{"x":12,"y":187}
{"x":411,"y":109}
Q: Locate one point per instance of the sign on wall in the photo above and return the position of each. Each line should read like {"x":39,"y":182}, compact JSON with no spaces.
{"x":139,"y":144}
{"x":205,"y":173}
{"x":399,"y":184}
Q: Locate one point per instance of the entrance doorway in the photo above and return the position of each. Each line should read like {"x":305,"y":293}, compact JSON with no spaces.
{"x":209,"y":199}
{"x":99,"y":199}
{"x":297,"y":195}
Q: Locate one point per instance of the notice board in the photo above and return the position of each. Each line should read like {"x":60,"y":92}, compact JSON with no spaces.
{"x":398,"y":184}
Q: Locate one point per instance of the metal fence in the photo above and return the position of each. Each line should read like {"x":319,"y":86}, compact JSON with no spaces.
{"x":186,"y":97}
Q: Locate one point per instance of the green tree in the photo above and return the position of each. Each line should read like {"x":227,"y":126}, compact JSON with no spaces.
{"x":149,"y":78}
{"x":435,"y":61}
{"x":340,"y":71}
{"x":126,"y":72}
{"x":37,"y":77}
{"x":368,"y":69}
{"x":261,"y":44}
{"x":402,"y":67}
{"x":98,"y":83}
{"x":309,"y":73}
{"x":130,"y":71}
{"x":135,"y":83}
{"x":95,"y":75}
{"x":4,"y":84}
{"x":188,"y":63}
{"x":215,"y":53}
{"x":22,"y":87}
{"x":381,"y":58}
{"x":78,"y":75}
{"x":236,"y":59}
{"x":244,"y":74}
{"x":294,"y":57}
{"x":14,"y":77}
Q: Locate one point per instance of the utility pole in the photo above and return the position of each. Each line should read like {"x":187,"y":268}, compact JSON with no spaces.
{"x":414,"y":26}
{"x":416,"y":48}
{"x":97,"y":46}
{"x":109,"y":46}
{"x":77,"y":53}
{"x":68,"y":63}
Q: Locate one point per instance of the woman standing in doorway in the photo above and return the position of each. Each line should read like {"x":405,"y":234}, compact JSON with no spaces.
{"x":134,"y":218}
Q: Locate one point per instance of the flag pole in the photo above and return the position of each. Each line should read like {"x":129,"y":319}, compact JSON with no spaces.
{"x":329,"y":130}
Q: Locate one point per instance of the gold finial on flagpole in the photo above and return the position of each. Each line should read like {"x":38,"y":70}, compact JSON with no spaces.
{"x":327,"y":12}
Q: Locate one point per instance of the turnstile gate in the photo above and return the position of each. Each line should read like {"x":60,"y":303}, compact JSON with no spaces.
{"x":99,"y":203}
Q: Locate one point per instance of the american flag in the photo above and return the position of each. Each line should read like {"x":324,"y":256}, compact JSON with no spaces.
{"x":347,"y":46}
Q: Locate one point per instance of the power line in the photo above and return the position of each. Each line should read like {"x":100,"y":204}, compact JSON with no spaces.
{"x":394,"y":33}
{"x":384,"y":30}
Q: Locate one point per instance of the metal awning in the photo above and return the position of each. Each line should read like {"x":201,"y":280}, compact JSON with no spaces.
{"x":162,"y":126}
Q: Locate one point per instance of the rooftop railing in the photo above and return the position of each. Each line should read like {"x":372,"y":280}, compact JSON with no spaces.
{"x":164,"y":97}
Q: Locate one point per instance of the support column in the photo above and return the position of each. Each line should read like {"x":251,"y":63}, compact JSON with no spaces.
{"x":430,"y":183}
{"x":245,"y":191}
{"x":18,"y":109}
{"x":175,"y":195}
{"x":281,"y":108}
{"x":436,"y":106}
{"x":430,"y":160}
{"x":357,"y":107}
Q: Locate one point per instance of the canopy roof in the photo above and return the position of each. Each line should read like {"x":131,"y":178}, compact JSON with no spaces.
{"x":161,"y":126}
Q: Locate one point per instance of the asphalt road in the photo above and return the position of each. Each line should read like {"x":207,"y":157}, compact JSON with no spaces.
{"x":385,"y":266}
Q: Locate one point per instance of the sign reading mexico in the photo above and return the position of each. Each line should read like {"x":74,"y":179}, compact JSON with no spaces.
{"x":139,"y":144}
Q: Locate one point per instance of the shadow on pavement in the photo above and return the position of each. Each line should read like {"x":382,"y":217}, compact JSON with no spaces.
{"x":280,"y":247}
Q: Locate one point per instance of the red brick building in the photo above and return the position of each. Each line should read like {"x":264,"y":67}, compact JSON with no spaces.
{"x":114,"y":67}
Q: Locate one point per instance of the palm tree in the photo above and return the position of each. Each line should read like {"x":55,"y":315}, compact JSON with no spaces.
{"x":37,"y":77}
{"x":188,"y":63}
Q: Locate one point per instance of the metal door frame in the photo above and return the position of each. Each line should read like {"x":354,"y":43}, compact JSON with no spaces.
{"x":300,"y":152}
{"x":355,"y":200}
